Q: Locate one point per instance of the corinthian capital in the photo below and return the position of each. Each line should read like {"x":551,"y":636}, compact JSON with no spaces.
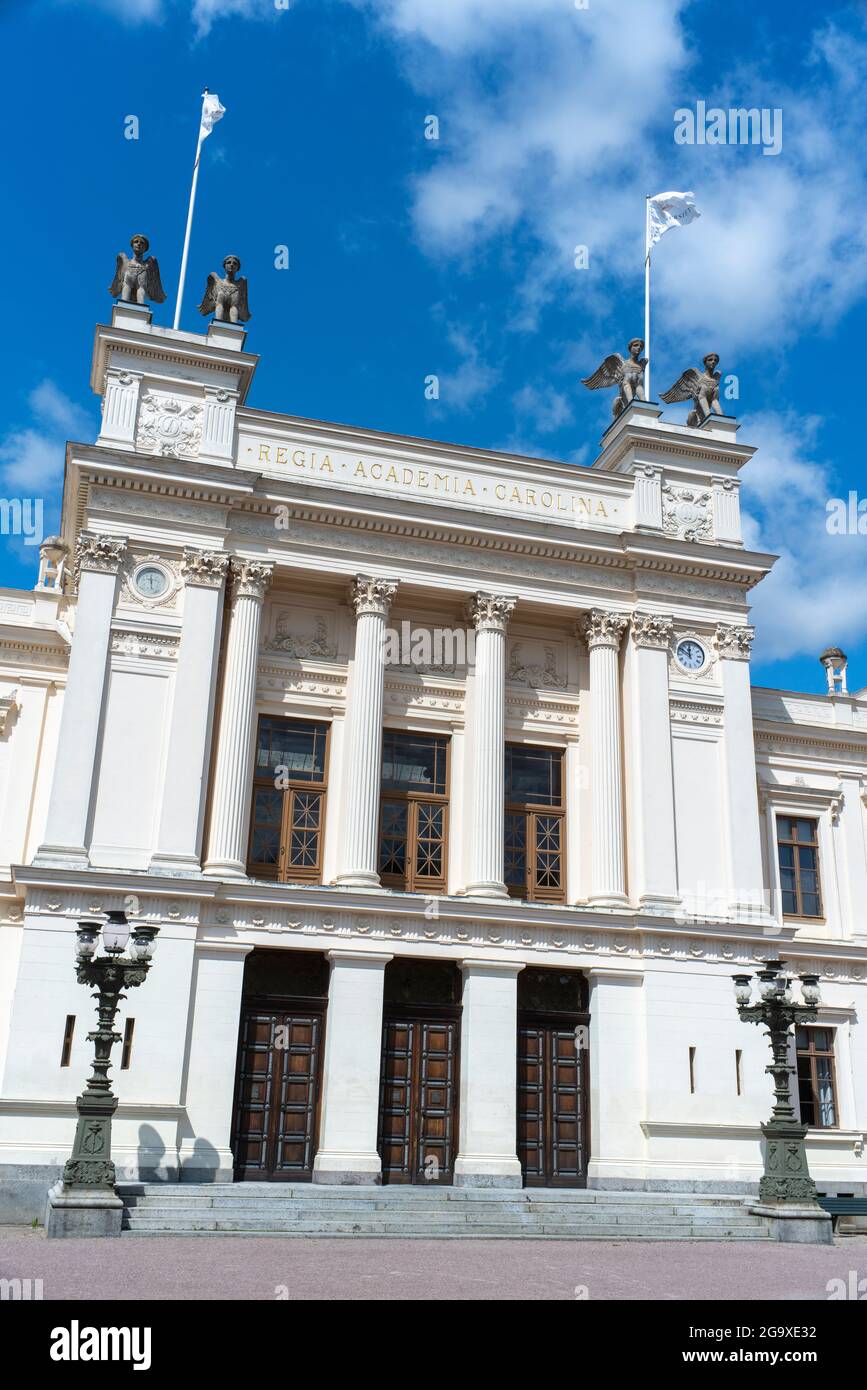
{"x":652,"y":630}
{"x":104,"y":554}
{"x":490,"y":612}
{"x":250,"y":578}
{"x":368,"y":594}
{"x":599,"y":628}
{"x":206,"y":568}
{"x":734,"y":643}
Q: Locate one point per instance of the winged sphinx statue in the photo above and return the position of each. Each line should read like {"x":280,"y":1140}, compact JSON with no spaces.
{"x":626,"y":373}
{"x":226,"y":295}
{"x":702,"y":388}
{"x":137,"y":277}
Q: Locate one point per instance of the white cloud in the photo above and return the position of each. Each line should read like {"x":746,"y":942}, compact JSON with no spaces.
{"x":471,"y":380}
{"x":814,"y":595}
{"x":545,"y":408}
{"x":32,"y":458}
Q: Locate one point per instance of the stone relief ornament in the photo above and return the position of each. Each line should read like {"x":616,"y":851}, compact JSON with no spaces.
{"x":206,"y":568}
{"x":600,"y":628}
{"x":226,"y":295}
{"x":490,"y":612}
{"x":534,"y":674}
{"x":137,"y":277}
{"x":104,"y":554}
{"x":626,"y":373}
{"x":734,"y":643}
{"x":250,"y":578}
{"x":686,"y":513}
{"x":301,"y":648}
{"x":169,"y":427}
{"x":652,"y":630}
{"x":368,"y":594}
{"x":702,"y":388}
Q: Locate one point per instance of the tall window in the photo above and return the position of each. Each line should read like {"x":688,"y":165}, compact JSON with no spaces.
{"x":817,"y":1092}
{"x":413,"y":812}
{"x":798,"y":850}
{"x":288,"y":817}
{"x":535,"y":823}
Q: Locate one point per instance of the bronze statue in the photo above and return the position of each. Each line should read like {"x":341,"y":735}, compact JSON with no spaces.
{"x":702,"y":388}
{"x":627,"y":374}
{"x":226,"y":297}
{"x":137,"y":278}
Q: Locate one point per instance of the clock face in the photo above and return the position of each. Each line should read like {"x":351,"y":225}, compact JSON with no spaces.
{"x":690,"y":655}
{"x":151,"y":582}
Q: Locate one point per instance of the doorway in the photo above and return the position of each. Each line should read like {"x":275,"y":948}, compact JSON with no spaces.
{"x":553,"y":1119}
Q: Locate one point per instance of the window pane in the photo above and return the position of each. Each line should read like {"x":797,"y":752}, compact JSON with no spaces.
{"x":413,"y":762}
{"x":393,"y":821}
{"x":802,"y":1039}
{"x":533,"y":775}
{"x":548,"y":858}
{"x":806,"y":830}
{"x":810,"y":905}
{"x":824,"y":1077}
{"x":516,"y":850}
{"x":790,"y":904}
{"x":429,"y":841}
{"x":787,"y":856}
{"x":297,"y":745}
{"x":806,"y":858}
{"x":784,"y":828}
{"x":821,"y":1039}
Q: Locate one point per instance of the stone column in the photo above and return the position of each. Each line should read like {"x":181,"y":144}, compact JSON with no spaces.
{"x":746,"y":876}
{"x":98,"y":560}
{"x":350,"y":1081}
{"x":652,"y":771}
{"x":490,"y":614}
{"x":204,"y":1152}
{"x":488,"y":1101}
{"x":230,"y":802}
{"x":602,"y":631}
{"x":371,"y":598}
{"x":179,"y":839}
{"x":618,"y":1077}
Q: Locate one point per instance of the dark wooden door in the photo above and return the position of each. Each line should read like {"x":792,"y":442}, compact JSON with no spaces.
{"x":418,"y":1097}
{"x":277,"y":1092}
{"x":552,"y":1110}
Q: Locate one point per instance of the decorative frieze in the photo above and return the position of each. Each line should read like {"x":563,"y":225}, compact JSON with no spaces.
{"x":538,"y":675}
{"x":169,"y":426}
{"x":153,"y":644}
{"x":313,"y":647}
{"x":687,"y":513}
{"x":734,"y":643}
{"x":652,"y":630}
{"x":205,"y":568}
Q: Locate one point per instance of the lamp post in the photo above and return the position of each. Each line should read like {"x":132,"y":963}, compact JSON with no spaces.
{"x":84,"y":1202}
{"x":786,"y":1190}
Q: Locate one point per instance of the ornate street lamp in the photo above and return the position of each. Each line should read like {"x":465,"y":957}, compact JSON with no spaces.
{"x":84,"y":1202}
{"x":786,"y":1190}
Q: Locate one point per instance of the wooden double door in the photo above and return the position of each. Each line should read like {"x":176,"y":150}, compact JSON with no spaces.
{"x":279,"y":1073}
{"x":419,"y":1073}
{"x":553,"y":1119}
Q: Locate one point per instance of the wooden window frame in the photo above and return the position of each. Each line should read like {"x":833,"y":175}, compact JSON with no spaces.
{"x":810,"y":1054}
{"x":531,"y":810}
{"x":412,"y":881}
{"x":282,"y":871}
{"x":795,"y":844}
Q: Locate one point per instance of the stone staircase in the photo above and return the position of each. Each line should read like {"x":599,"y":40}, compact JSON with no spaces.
{"x":304,"y":1209}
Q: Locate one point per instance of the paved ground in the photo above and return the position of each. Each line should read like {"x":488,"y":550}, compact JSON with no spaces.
{"x":238,"y":1267}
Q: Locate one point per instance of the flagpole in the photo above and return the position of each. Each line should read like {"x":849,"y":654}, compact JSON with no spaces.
{"x":646,"y":295}
{"x":183,"y":274}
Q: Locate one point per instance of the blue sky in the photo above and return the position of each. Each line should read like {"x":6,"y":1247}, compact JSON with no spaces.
{"x":410,"y":257}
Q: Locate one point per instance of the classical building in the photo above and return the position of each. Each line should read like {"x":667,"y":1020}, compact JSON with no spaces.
{"x":441,"y":773}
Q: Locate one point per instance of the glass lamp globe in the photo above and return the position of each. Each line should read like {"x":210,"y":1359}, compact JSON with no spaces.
{"x":143,"y":942}
{"x":87,"y":935}
{"x":742,"y":988}
{"x":810,"y":989}
{"x":115,"y":933}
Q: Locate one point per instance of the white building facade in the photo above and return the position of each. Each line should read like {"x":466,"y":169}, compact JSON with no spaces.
{"x":441,"y":773}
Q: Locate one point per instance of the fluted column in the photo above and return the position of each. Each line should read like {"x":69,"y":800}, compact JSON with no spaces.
{"x":98,"y":560}
{"x":179,"y":836}
{"x":230,"y":804}
{"x":371,"y":598}
{"x":490,"y":614}
{"x":603,"y":631}
{"x":747,"y":893}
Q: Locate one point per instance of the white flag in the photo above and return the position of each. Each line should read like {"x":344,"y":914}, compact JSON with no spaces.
{"x":212,"y":112}
{"x":669,"y":210}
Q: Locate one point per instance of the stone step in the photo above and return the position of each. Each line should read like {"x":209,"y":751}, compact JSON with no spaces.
{"x":318,"y":1193}
{"x":398,"y":1230}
